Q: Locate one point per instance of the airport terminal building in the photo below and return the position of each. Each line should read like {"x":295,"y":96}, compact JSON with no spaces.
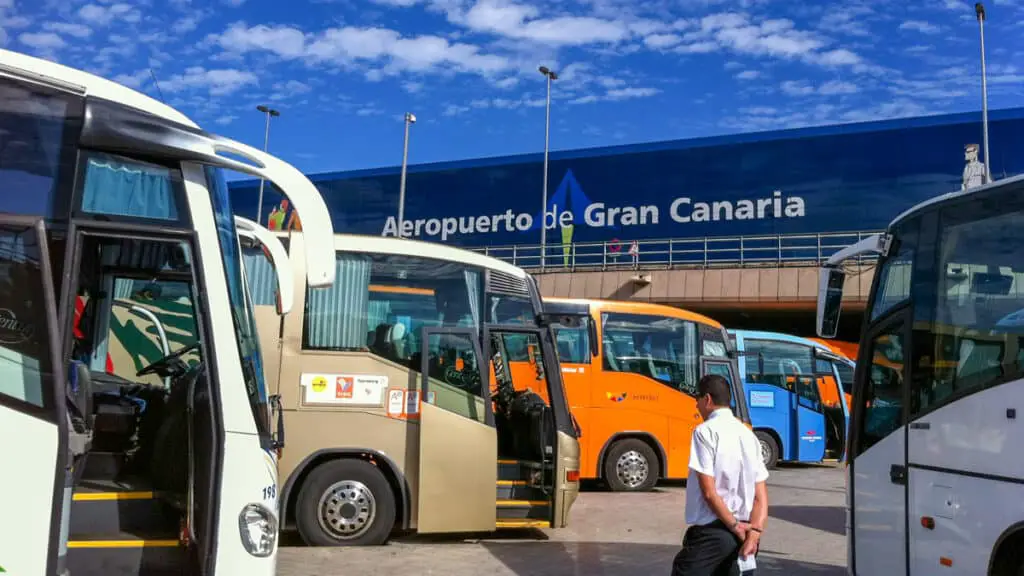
{"x":839,"y":178}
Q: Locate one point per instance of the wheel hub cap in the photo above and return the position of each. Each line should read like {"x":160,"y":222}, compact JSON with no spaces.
{"x":765,"y":452}
{"x":347,"y":510}
{"x":632,"y":469}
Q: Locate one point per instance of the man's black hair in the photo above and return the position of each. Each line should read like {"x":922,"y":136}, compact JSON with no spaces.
{"x":717,"y":387}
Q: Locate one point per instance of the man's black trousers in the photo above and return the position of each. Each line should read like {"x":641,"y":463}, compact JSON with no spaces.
{"x":709,"y":550}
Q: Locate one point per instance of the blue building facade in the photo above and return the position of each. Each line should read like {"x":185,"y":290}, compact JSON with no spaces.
{"x":842,"y":178}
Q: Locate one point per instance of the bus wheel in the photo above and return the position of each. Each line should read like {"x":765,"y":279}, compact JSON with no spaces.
{"x":345,"y":503}
{"x":631,"y":466}
{"x":769,"y":449}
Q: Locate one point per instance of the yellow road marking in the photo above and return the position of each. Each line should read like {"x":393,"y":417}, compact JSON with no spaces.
{"x":522,"y":503}
{"x":123,"y":543}
{"x":511,"y":482}
{"x":97,"y":496}
{"x":508,"y":461}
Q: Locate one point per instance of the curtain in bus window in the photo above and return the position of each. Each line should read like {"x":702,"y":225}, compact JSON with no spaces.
{"x":690,"y":357}
{"x":261,"y":277}
{"x":122,"y":189}
{"x":338,"y":315}
{"x":473,"y":290}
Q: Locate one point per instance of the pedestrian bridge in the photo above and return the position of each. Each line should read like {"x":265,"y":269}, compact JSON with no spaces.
{"x":776,"y":274}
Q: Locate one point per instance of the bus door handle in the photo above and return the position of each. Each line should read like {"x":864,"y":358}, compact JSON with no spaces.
{"x":898,"y":474}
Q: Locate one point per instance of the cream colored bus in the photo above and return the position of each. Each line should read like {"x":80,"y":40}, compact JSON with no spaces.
{"x":484,"y":441}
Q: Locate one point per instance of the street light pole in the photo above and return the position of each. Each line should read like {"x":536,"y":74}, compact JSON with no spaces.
{"x":979,"y":9}
{"x":551,"y":75}
{"x":266,"y":140}
{"x":410,"y":119}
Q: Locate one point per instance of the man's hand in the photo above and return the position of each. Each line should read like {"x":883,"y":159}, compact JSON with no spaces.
{"x":750,"y":543}
{"x":742,"y":530}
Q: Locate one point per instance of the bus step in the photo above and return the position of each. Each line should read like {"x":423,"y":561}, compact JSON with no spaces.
{"x":106,"y":507}
{"x":523,"y":510}
{"x":125,"y":553}
{"x":509,"y":469}
{"x":103,"y":465}
{"x":522,"y":524}
{"x":518,"y":490}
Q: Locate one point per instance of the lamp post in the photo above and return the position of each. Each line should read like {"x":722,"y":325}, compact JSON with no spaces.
{"x":551,"y":76}
{"x":979,"y":9}
{"x":268,"y":112}
{"x":410,"y":119}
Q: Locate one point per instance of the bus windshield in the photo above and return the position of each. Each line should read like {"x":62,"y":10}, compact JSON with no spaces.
{"x":241,"y":307}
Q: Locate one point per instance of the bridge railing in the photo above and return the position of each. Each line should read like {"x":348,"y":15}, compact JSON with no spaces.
{"x":702,"y":252}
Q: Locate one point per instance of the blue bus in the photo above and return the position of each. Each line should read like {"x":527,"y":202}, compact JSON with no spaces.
{"x":795,"y":396}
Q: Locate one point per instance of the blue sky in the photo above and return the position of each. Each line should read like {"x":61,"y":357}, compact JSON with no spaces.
{"x":343,"y":72}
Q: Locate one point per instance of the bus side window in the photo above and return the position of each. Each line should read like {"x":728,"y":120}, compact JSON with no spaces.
{"x":573,"y":343}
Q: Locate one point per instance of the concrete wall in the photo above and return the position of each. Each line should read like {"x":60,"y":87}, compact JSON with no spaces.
{"x":728,"y":287}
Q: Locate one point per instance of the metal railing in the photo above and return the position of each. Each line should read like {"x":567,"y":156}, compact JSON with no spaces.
{"x":704,"y":252}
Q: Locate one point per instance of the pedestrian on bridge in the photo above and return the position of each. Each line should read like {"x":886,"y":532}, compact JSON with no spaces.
{"x":726,"y":494}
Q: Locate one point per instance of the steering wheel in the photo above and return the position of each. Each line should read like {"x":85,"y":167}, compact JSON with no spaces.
{"x":161,"y":366}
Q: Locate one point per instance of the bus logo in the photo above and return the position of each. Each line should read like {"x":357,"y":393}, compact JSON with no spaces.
{"x":13,"y":331}
{"x":616,"y":397}
{"x":319,"y":384}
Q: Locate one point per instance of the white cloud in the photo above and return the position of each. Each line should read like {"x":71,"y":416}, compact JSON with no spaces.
{"x":776,"y":38}
{"x":797,"y":88}
{"x":226,"y":119}
{"x":234,"y":3}
{"x":104,"y":15}
{"x":522,"y":22}
{"x":506,"y":83}
{"x":656,"y":41}
{"x":289,"y":89}
{"x":835,"y":87}
{"x":748,"y":75}
{"x":133,"y":80}
{"x":920,"y":26}
{"x":42,"y":41}
{"x":186,"y":24}
{"x":412,"y":87}
{"x":455,"y":110}
{"x":351,"y":45}
{"x":68,"y":28}
{"x":369,"y":111}
{"x":617,"y":94}
{"x":218,"y":82}
{"x":396,"y":3}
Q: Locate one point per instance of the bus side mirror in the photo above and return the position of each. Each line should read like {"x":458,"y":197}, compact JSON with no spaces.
{"x":830,"y":299}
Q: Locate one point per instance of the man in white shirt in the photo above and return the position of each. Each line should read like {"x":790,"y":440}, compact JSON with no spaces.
{"x":726,"y":495}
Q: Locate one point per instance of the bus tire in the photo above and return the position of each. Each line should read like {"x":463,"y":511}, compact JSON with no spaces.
{"x":345,"y":502}
{"x":769,"y":449}
{"x":631,"y":466}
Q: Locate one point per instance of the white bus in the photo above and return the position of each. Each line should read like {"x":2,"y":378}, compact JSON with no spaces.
{"x":138,"y":432}
{"x":935,"y":483}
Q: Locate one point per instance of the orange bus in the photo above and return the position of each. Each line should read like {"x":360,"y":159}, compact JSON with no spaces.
{"x":630,"y":373}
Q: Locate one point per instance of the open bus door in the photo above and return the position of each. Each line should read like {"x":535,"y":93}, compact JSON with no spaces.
{"x":34,"y":406}
{"x":458,"y":441}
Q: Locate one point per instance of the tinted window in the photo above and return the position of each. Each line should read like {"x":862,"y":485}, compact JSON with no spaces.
{"x":455,"y":375}
{"x":883,"y":394}
{"x":895,"y":276}
{"x":25,"y":373}
{"x":33,"y":148}
{"x":974,"y":337}
{"x":777,"y":363}
{"x":574,"y":343}
{"x":380,"y":303}
{"x":657,"y":347}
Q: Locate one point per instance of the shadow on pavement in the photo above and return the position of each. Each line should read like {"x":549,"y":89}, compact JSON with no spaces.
{"x":825,"y":518}
{"x":621,"y":559}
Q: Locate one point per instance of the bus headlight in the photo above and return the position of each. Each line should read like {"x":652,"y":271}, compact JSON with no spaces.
{"x":258,"y":527}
